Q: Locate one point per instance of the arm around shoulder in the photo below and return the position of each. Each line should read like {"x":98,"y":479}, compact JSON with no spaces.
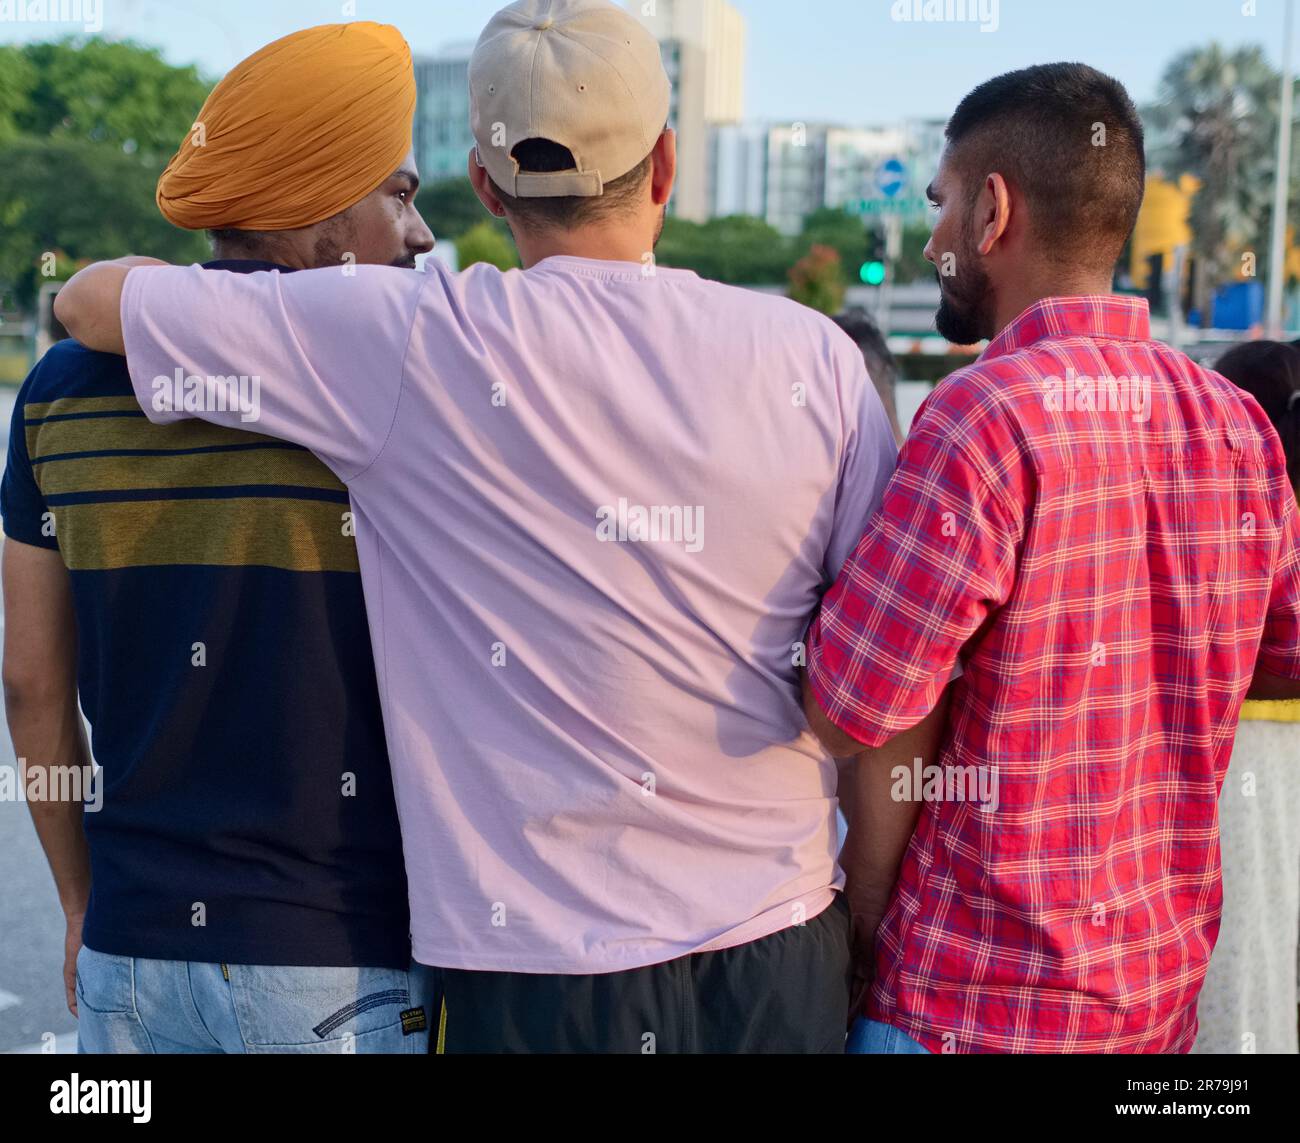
{"x":89,"y":306}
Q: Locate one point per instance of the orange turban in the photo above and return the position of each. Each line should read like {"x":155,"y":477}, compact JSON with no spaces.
{"x":296,"y":133}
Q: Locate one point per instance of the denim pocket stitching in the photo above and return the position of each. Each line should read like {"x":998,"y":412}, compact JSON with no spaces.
{"x":374,"y":1000}
{"x":109,"y":962}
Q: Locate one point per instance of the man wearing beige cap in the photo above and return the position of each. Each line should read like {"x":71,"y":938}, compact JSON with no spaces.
{"x":597,"y":501}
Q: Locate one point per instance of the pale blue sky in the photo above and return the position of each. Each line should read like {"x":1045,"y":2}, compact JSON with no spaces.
{"x":837,"y":60}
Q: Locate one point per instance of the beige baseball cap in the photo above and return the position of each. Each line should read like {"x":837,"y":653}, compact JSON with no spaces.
{"x":582,"y":73}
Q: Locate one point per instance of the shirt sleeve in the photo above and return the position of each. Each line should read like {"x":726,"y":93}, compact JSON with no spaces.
{"x":26,"y":516}
{"x":870,"y":453}
{"x":313,"y":357}
{"x":936,"y":560}
{"x":1279,"y":652}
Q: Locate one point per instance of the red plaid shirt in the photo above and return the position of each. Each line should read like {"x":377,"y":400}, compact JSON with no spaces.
{"x":1103,"y":534}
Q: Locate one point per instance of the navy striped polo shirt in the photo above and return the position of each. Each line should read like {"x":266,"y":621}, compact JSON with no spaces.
{"x":224,"y":665}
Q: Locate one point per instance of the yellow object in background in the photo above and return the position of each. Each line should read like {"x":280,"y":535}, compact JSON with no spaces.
{"x":1256,"y":711}
{"x":1162,"y":224}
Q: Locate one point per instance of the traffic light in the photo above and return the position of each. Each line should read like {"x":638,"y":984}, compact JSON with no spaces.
{"x":872,"y":271}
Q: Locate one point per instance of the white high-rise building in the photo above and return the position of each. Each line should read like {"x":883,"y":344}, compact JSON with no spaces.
{"x":703,"y":47}
{"x":738,"y":170}
{"x":442,"y":132}
{"x":925,"y":140}
{"x":795,"y":173}
{"x":784,"y":172}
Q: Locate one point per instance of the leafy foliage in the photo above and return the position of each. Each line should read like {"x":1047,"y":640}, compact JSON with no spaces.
{"x":120,"y":94}
{"x":842,"y":232}
{"x":81,"y":202}
{"x":450,"y":207}
{"x":483,"y":242}
{"x":817,"y":280}
{"x":1216,"y":118}
{"x":738,"y":250}
{"x":86,"y":127}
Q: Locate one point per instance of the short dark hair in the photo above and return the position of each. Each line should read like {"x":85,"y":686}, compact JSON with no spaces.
{"x":541,"y":156}
{"x":226,"y":236}
{"x":881,"y":363}
{"x":1270,"y":372}
{"x":1071,"y":140}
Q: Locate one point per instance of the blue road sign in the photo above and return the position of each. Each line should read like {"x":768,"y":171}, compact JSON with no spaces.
{"x":891,"y":177}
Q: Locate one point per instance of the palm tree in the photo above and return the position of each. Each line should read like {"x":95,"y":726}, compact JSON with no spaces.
{"x":1216,"y":118}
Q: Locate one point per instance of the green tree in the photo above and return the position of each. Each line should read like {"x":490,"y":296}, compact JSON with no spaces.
{"x":739,"y":250}
{"x":86,"y":127}
{"x":485,"y":243}
{"x":817,"y":280}
{"x":110,"y":212}
{"x":911,"y":265}
{"x":17,"y":78}
{"x":451,"y":207}
{"x":837,"y":228}
{"x":1216,"y":118}
{"x":120,"y":94}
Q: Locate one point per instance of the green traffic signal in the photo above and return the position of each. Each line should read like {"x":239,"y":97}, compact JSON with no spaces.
{"x":872,"y":273}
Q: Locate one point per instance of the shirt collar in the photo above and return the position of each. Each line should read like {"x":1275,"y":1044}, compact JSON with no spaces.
{"x":245,"y":265}
{"x":1114,"y":316}
{"x":605,"y":267}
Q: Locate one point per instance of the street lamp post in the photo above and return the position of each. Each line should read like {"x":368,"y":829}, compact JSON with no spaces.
{"x":1282,"y":184}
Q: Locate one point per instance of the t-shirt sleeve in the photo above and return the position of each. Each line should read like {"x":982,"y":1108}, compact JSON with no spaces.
{"x":1279,"y":652}
{"x":936,"y":560}
{"x":26,"y":515}
{"x":313,"y":357}
{"x":870,"y":453}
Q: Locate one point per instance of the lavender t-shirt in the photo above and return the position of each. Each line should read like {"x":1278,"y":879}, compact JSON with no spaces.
{"x":595,"y":505}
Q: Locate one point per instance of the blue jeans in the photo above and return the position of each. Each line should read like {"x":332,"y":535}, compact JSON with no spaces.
{"x":872,"y":1038}
{"x":131,"y":1004}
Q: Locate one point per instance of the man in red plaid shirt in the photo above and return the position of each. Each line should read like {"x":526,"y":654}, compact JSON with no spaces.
{"x":1101,"y":536}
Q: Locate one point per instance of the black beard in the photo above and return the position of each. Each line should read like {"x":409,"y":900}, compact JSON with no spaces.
{"x":965,"y":314}
{"x":960,"y":324}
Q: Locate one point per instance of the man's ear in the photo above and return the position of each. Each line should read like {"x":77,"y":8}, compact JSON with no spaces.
{"x":478,"y":176}
{"x":663,"y":171}
{"x":995,"y":212}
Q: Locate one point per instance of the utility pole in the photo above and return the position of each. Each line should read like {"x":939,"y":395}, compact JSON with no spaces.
{"x":893,"y":247}
{"x":1282,"y":184}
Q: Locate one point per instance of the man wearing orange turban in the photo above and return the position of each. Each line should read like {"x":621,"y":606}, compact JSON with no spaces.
{"x":248,"y":886}
{"x":302,"y":153}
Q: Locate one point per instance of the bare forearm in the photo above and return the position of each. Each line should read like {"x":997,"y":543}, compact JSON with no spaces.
{"x":50,"y":742}
{"x":89,"y":305}
{"x":59,"y":828}
{"x":880,"y":828}
{"x":880,"y":824}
